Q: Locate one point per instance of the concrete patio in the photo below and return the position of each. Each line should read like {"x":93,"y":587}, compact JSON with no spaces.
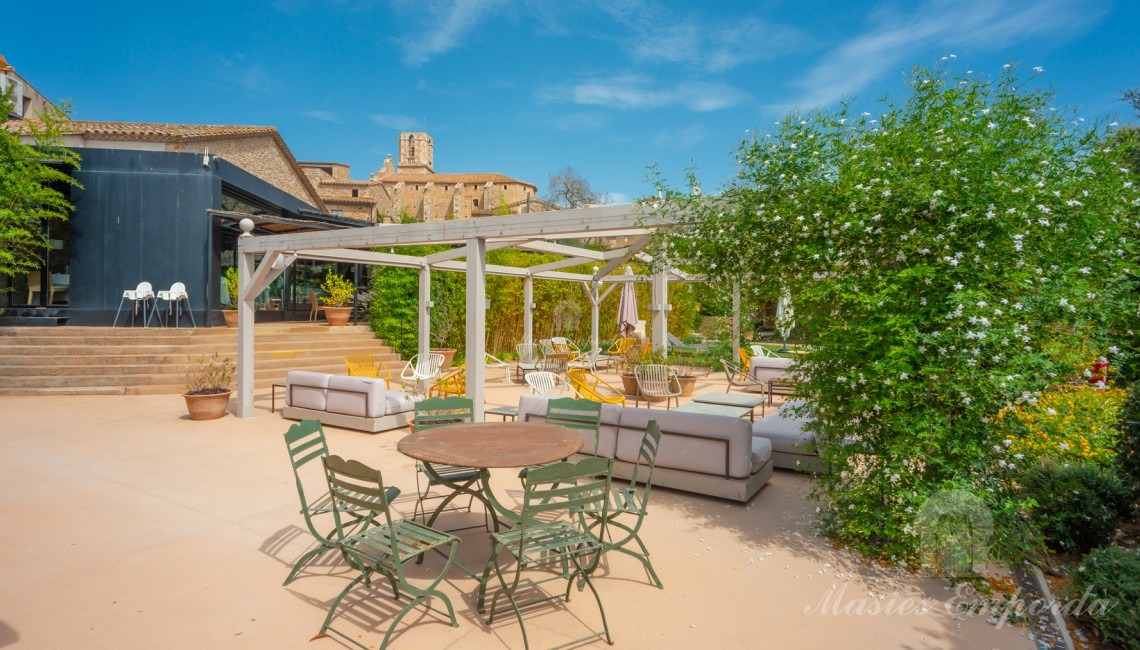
{"x":126,"y":525}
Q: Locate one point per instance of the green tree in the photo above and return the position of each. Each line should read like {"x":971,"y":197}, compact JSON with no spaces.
{"x":959,"y":251}
{"x":502,"y":209}
{"x":31,"y":178}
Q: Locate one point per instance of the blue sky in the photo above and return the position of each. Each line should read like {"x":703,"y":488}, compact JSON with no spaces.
{"x":527,"y":87}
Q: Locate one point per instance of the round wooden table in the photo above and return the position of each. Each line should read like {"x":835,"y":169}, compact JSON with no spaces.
{"x":485,"y":445}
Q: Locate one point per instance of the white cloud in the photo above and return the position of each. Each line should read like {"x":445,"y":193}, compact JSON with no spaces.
{"x":396,"y":122}
{"x":579,"y":122}
{"x":681,"y":139}
{"x":981,"y":24}
{"x":324,"y":116}
{"x":656,"y":34}
{"x":633,"y":92}
{"x":442,"y":26}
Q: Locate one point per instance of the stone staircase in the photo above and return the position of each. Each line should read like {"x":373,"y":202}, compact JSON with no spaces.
{"x":151,"y":361}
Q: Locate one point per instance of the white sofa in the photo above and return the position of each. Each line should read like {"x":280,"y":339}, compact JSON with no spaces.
{"x":708,"y":454}
{"x":792,"y":447}
{"x":360,"y":403}
{"x":765,"y":369}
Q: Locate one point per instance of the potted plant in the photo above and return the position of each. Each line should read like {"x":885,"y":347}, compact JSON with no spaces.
{"x":230,"y":282}
{"x":686,"y":377}
{"x":208,"y":382}
{"x":338,"y":293}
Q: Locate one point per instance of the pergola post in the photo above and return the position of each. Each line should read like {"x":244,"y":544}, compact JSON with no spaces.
{"x":424,"y":336}
{"x":476,"y":322}
{"x":245,"y":370}
{"x":659,"y":307}
{"x":528,"y":310}
{"x":735,"y":316}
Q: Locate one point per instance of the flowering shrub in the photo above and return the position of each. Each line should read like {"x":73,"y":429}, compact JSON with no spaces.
{"x":1066,"y":423}
{"x":938,"y":255}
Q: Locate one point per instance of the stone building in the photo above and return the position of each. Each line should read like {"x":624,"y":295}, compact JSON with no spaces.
{"x":414,"y":189}
{"x":27,"y":102}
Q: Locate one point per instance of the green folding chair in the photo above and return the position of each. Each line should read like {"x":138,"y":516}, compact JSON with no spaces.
{"x":383,"y":548}
{"x":580,"y":414}
{"x":438,"y":412}
{"x":628,"y":505}
{"x":551,"y":539}
{"x":306,"y":443}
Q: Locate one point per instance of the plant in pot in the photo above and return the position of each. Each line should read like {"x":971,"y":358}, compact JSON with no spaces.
{"x":208,"y":382}
{"x":338,"y":293}
{"x":230,"y":282}
{"x":686,"y":377}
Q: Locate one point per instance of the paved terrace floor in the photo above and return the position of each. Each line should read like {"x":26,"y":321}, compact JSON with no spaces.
{"x":126,"y":525}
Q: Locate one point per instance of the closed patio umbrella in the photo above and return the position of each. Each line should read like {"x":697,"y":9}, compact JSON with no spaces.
{"x":627,"y":308}
{"x":785,"y":317}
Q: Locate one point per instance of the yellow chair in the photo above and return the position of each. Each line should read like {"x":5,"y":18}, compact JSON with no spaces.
{"x":594,"y":388}
{"x":452,"y":382}
{"x":366,"y":365}
{"x":314,"y":305}
{"x":745,"y":360}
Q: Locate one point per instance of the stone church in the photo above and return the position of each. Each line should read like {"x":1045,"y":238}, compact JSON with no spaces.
{"x":414,"y":189}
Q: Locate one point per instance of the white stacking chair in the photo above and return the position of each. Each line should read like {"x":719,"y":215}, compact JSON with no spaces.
{"x":173,"y":298}
{"x":142,"y":294}
{"x":530,"y":358}
{"x":422,"y":368}
{"x":495,"y":362}
{"x":544,"y":382}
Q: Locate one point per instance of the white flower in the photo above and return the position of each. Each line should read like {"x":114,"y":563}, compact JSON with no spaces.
{"x":1112,"y":349}
{"x":895,"y":478}
{"x":1063,"y":446}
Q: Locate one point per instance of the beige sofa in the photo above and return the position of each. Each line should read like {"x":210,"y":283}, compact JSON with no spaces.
{"x":792,"y":446}
{"x":360,"y":403}
{"x":708,"y":454}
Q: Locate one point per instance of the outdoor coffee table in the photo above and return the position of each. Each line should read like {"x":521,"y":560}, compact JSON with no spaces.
{"x":487,"y":445}
{"x":733,"y":399}
{"x":714,"y":409}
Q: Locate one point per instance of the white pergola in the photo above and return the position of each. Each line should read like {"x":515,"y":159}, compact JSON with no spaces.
{"x":471,"y":238}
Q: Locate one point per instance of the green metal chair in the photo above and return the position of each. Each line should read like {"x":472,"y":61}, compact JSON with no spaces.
{"x":383,"y":548}
{"x":306,"y":443}
{"x":551,"y":537}
{"x":628,"y":505}
{"x":581,"y":414}
{"x":437,"y":412}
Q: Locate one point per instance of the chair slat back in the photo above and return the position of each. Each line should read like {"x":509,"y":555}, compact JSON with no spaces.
{"x":567,"y":487}
{"x":654,"y":380}
{"x":745,"y":359}
{"x":440,"y":411}
{"x":545,"y":382}
{"x":647,"y":459}
{"x":355,"y":486}
{"x":528,"y":353}
{"x":582,"y":415}
{"x":361,"y":365}
{"x":306,"y":442}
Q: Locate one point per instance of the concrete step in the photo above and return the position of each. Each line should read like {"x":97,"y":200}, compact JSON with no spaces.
{"x":116,"y":361}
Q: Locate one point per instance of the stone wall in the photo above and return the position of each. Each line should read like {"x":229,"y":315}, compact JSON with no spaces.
{"x":260,"y":156}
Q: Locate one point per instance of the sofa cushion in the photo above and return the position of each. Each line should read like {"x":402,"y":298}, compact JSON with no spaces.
{"x":768,"y":368}
{"x":359,"y":396}
{"x":761,"y":452}
{"x":695,"y":442}
{"x":784,"y":430}
{"x":397,"y":401}
{"x":306,"y":389}
{"x":532,"y":408}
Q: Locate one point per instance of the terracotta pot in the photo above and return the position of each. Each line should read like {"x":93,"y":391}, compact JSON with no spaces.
{"x":629,"y":385}
{"x":337,"y":316}
{"x":687,"y":385}
{"x":231,"y":317}
{"x":207,"y":407}
{"x":448,"y":355}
